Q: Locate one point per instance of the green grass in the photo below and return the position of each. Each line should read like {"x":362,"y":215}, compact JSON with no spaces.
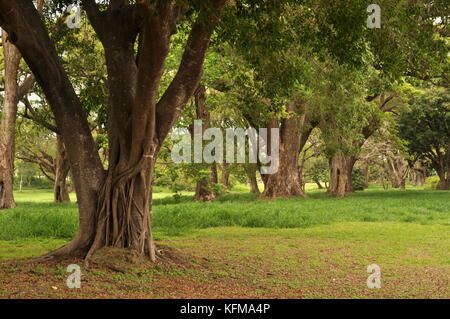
{"x":37,"y":217}
{"x":326,"y":261}
{"x":311,"y":258}
{"x":31,"y":247}
{"x":247,"y":210}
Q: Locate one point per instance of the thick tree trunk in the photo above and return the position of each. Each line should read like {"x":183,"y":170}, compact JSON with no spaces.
{"x":444,"y":184}
{"x":286,"y":182}
{"x":444,"y":179}
{"x":8,"y":123}
{"x":204,"y":192}
{"x":61,"y":193}
{"x":340,"y":175}
{"x":124,"y":209}
{"x":124,"y":215}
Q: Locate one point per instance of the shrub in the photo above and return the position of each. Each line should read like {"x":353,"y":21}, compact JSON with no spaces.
{"x":432,"y":183}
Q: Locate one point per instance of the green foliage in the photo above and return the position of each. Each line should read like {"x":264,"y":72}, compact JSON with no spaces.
{"x":358,"y":179}
{"x":409,"y":41}
{"x":31,"y":180}
{"x":338,"y":94}
{"x":318,"y":170}
{"x":426,"y":126}
{"x":432,"y":183}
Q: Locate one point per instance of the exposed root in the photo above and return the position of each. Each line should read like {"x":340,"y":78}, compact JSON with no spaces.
{"x":71,"y":250}
{"x":126,"y":260}
{"x":124,"y":214}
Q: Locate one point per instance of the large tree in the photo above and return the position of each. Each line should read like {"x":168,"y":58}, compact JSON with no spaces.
{"x":115,"y":205}
{"x":426,"y":130}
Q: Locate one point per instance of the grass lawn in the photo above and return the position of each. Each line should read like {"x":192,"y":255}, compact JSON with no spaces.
{"x":245,"y":247}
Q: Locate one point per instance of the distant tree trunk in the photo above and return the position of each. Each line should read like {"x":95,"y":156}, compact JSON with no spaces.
{"x":444,"y":183}
{"x":319,"y":185}
{"x":264,"y":177}
{"x":254,"y":188}
{"x":286,"y":182}
{"x":397,"y":168}
{"x":252,"y":180}
{"x":443,"y":171}
{"x":214,"y":175}
{"x":8,"y":123}
{"x":418,"y":175}
{"x":61,"y":193}
{"x":419,"y":179}
{"x":366,"y":175}
{"x":341,"y":167}
{"x":225,"y":175}
{"x":204,"y":191}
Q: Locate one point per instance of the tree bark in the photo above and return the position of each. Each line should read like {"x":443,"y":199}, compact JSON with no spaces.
{"x":444,"y":179}
{"x":61,"y":193}
{"x":8,"y":123}
{"x":294,"y":133}
{"x":341,"y":169}
{"x":340,"y":175}
{"x":441,"y":164}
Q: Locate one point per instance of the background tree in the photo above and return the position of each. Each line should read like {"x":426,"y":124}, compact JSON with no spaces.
{"x":426,"y":130}
{"x":12,"y":59}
